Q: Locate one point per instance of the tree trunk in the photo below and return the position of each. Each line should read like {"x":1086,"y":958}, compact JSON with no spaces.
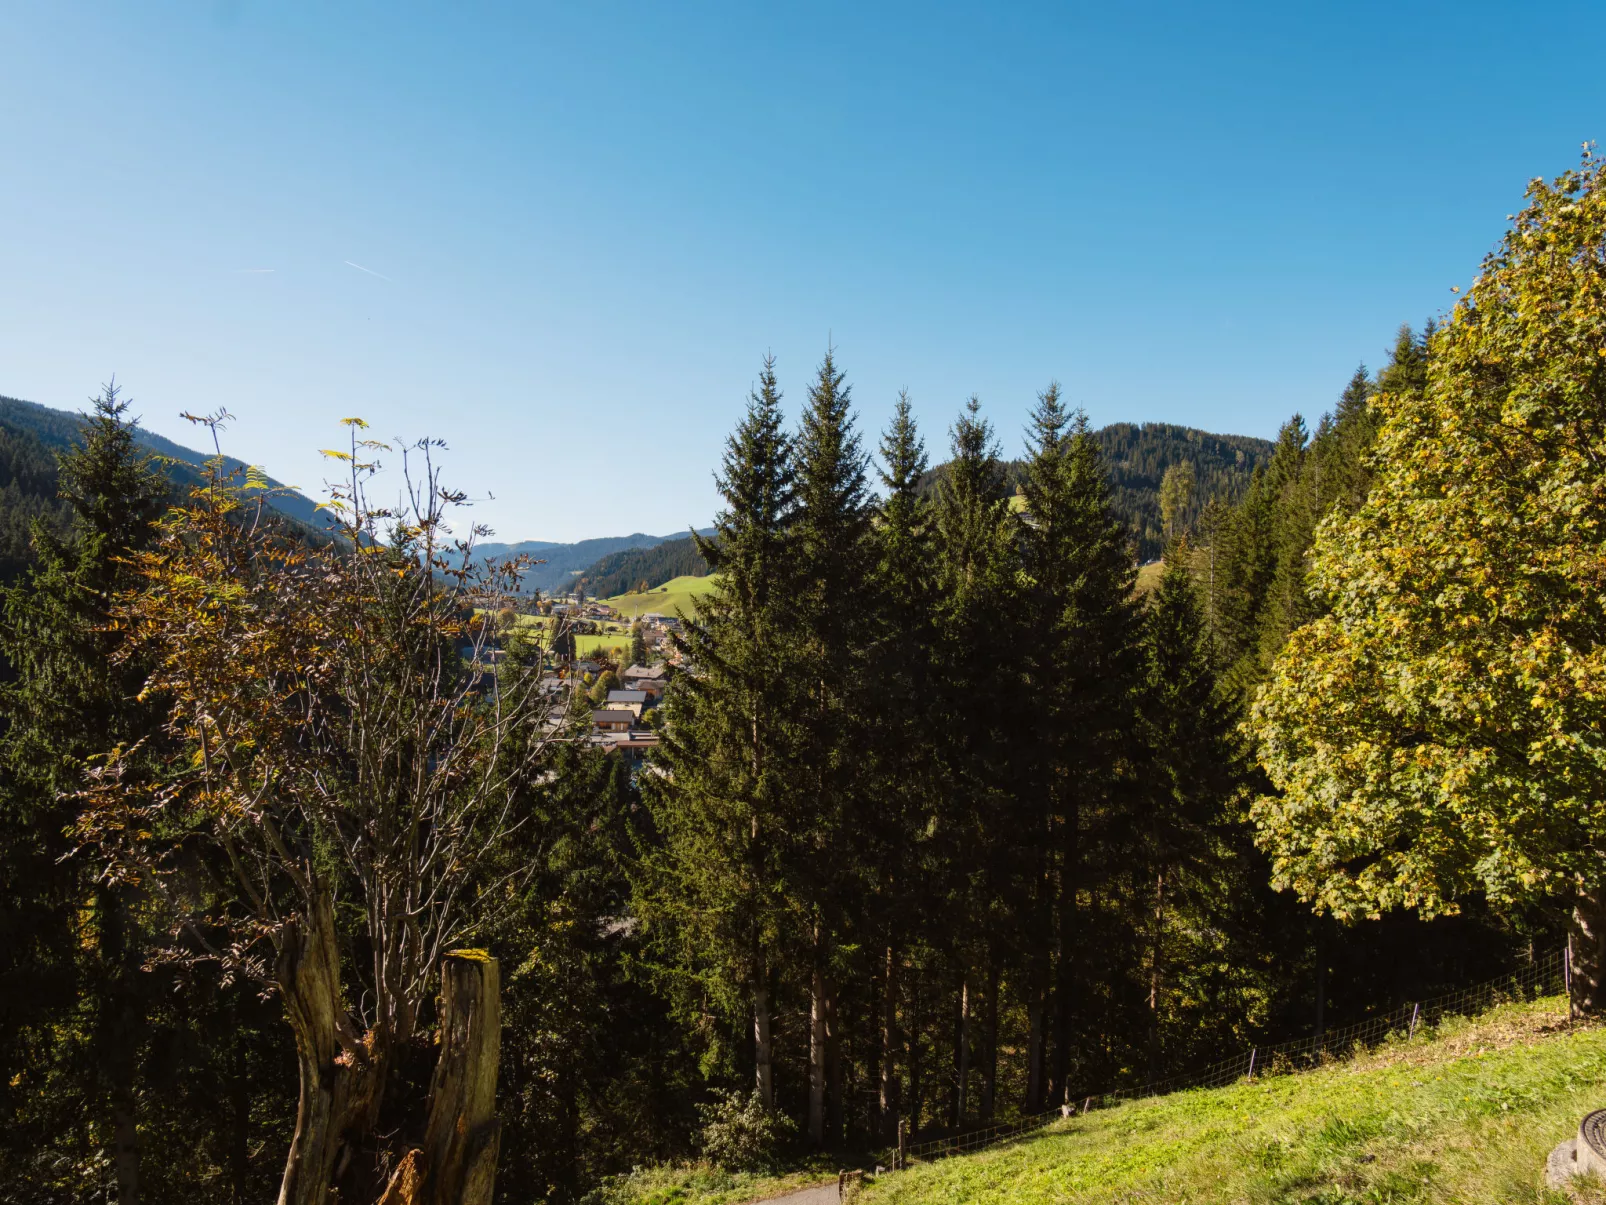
{"x":833,"y":1068}
{"x":1065,"y":981}
{"x":1586,"y":951}
{"x":989,"y":1065}
{"x":1039,"y":942}
{"x":1156,"y":976}
{"x":125,"y":1145}
{"x":889,"y":1048}
{"x":118,"y":1039}
{"x":1321,"y":984}
{"x":817,"y":1042}
{"x":1035,"y":1015}
{"x":961,"y":1051}
{"x":240,"y":1107}
{"x":336,"y":1096}
{"x":916,"y":1097}
{"x":763,"y":1069}
{"x":462,"y":1136}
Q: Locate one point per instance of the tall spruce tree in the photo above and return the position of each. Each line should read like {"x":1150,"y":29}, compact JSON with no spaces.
{"x":68,"y":702}
{"x":714,"y":892}
{"x":1048,"y":529}
{"x":833,"y":615}
{"x":902,"y":752}
{"x":1095,"y":656}
{"x":977,"y":690}
{"x":1191,"y":847}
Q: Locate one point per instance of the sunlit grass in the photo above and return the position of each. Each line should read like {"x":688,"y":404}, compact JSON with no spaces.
{"x":1466,"y":1114}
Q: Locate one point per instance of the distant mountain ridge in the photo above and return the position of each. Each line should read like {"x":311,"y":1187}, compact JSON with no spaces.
{"x":562,"y":563}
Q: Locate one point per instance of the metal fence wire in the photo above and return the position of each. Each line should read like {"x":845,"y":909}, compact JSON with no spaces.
{"x":1546,"y":975}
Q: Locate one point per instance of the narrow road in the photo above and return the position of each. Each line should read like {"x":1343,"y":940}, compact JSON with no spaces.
{"x":820,"y":1194}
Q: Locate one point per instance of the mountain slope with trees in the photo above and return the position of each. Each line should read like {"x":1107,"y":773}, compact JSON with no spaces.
{"x":636,"y":569}
{"x":1136,"y":458}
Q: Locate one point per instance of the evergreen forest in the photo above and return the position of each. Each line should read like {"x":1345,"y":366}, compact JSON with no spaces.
{"x":318,"y":888}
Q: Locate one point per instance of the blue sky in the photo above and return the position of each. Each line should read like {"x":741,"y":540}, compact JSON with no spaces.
{"x":583,"y":225}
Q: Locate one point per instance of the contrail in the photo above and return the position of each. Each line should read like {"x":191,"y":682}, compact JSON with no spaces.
{"x":370,"y":271}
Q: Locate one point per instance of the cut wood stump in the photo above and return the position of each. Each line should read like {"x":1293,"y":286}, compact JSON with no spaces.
{"x":462,"y":1135}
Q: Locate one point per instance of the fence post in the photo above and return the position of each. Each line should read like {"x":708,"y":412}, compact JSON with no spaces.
{"x":1416,"y":1010}
{"x":1253,"y":1051}
{"x":903,"y":1143}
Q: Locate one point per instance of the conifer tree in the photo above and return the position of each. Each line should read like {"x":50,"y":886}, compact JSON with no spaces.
{"x":833,"y":613}
{"x":977,"y":688}
{"x":714,"y":892}
{"x":1186,"y":845}
{"x":1098,"y":667}
{"x":68,"y":702}
{"x":900,"y":660}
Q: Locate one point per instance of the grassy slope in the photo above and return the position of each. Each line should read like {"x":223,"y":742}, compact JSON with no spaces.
{"x":678,"y":594}
{"x":1466,"y":1116}
{"x":1149,"y":577}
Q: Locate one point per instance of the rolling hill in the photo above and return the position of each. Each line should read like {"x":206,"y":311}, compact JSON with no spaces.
{"x":676,"y":596}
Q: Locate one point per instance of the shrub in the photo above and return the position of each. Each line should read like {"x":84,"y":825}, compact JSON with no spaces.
{"x":741,"y":1134}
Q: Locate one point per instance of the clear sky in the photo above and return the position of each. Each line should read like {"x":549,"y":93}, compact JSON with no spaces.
{"x":563,"y":236}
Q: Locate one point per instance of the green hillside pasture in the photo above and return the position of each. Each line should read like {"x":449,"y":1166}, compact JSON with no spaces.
{"x":1149,"y":577}
{"x":1466,"y":1115}
{"x":584,"y":646}
{"x":677,"y":595}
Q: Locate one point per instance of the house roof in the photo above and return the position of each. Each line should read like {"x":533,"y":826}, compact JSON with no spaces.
{"x":627,"y":696}
{"x":613,"y":717}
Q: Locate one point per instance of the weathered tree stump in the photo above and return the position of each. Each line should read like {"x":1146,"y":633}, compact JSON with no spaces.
{"x":462,"y":1135}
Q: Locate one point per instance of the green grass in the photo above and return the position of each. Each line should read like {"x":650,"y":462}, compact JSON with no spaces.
{"x":699,"y":1184}
{"x":1465,"y":1115}
{"x":1149,"y":577}
{"x":584,"y":646}
{"x":677,"y":595}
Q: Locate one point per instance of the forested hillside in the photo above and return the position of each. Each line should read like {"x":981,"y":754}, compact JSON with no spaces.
{"x":1136,"y":457}
{"x":28,"y":492}
{"x":33,"y":436}
{"x":643,"y":568}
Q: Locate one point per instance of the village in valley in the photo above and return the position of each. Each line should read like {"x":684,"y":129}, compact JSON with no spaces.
{"x":621,"y":661}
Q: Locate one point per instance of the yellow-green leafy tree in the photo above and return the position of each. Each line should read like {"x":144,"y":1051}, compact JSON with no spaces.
{"x":1441,"y":731}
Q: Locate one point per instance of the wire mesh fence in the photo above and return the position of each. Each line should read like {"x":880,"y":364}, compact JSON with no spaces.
{"x":1544,"y":976}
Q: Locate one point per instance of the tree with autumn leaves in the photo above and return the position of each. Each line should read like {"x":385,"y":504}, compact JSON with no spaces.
{"x":1438,"y":732}
{"x":336,"y":748}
